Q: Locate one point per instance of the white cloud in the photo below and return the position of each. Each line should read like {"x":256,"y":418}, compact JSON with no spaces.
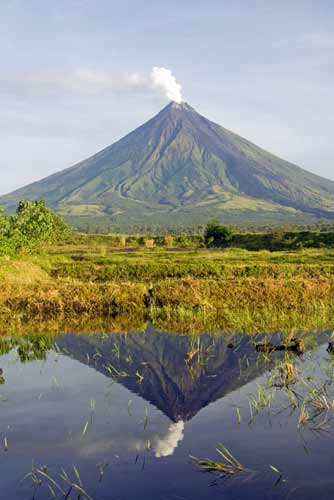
{"x":81,"y":80}
{"x":88,"y":81}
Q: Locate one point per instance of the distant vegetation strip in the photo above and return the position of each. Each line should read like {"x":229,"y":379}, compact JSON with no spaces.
{"x":275,"y":240}
{"x":34,"y":225}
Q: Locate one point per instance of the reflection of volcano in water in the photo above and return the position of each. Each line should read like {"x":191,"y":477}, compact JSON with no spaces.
{"x":180,"y":375}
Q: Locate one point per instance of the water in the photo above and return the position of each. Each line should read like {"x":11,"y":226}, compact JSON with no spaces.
{"x":128,"y":410}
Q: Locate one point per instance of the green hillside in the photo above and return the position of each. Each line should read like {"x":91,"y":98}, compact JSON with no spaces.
{"x":180,"y":167}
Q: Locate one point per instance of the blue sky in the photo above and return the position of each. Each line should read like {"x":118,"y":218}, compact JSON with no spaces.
{"x":74,"y":75}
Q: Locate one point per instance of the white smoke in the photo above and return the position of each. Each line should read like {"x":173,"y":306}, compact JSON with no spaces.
{"x":166,"y":446}
{"x":164,"y":81}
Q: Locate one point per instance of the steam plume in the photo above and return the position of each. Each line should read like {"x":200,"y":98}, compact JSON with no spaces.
{"x":166,"y":446}
{"x":163,"y":80}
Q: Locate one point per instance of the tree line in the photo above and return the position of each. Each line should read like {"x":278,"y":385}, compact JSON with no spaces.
{"x":34,"y":225}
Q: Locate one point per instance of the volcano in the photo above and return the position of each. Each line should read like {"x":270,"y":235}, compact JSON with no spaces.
{"x":181,"y":168}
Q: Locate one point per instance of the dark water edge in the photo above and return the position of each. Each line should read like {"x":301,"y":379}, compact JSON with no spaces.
{"x":128,"y":410}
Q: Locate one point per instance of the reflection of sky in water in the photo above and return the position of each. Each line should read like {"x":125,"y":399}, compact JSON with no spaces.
{"x":57,"y":393}
{"x":46,"y":405}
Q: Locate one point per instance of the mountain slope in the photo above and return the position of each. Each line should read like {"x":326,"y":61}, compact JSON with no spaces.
{"x":179,"y":164}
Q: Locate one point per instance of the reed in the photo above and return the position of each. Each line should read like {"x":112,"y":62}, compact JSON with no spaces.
{"x":64,"y":485}
{"x":229,"y":466}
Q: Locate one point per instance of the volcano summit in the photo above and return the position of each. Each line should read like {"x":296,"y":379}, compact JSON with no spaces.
{"x":181,"y":168}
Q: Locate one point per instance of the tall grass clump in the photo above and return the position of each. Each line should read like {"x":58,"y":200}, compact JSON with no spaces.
{"x":228,"y":466}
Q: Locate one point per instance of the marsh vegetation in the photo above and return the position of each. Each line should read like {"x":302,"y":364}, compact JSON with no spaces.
{"x":213,"y":281}
{"x":177,"y":289}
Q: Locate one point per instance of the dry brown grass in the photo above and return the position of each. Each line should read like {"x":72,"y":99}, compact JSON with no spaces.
{"x":61,"y":298}
{"x":21,"y":272}
{"x":248,"y":305}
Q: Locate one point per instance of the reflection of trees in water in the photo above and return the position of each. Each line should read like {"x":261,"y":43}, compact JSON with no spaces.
{"x":34,"y":348}
{"x":29,"y":348}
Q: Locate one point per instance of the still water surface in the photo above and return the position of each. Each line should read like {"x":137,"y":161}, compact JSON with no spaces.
{"x":128,"y":410}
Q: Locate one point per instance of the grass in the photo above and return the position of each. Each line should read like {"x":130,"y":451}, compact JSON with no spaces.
{"x":161,"y":264}
{"x":288,"y":389}
{"x":63,"y":486}
{"x":287,"y":373}
{"x":68,"y":286}
{"x":304,"y":417}
{"x":229,"y":466}
{"x":186,"y":305}
{"x":262,"y":399}
{"x":320,"y":401}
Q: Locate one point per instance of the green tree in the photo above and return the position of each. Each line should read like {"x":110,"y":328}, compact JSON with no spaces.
{"x":7,"y":246}
{"x":32,"y":225}
{"x":217,"y":235}
{"x":4,"y":224}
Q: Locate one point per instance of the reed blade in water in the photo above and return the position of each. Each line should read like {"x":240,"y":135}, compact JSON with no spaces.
{"x":228,"y":467}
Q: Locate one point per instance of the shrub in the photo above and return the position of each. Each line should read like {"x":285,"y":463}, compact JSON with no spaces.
{"x":217,"y":235}
{"x":32,"y":225}
{"x":149,"y":244}
{"x":168,"y":241}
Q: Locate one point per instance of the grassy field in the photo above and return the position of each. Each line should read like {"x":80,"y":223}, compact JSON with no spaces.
{"x":95,"y":283}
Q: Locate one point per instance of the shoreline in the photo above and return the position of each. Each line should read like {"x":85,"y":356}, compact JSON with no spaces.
{"x":186,"y":305}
